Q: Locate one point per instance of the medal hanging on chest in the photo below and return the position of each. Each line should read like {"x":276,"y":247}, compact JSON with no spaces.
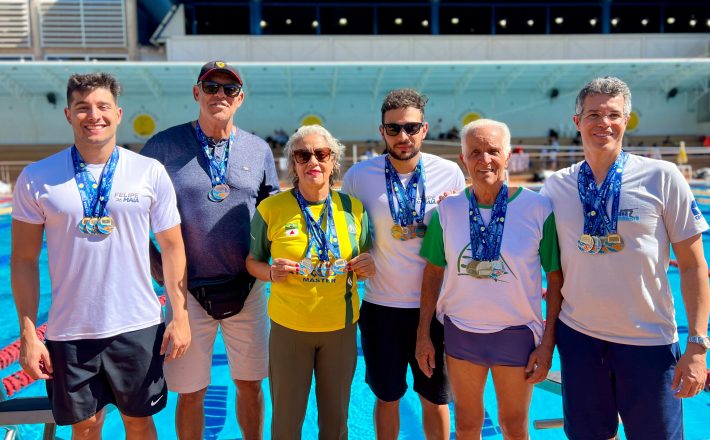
{"x":408,"y":221}
{"x":94,"y":196}
{"x":217,"y":166}
{"x":600,"y":234}
{"x":486,"y":241}
{"x":322,"y":242}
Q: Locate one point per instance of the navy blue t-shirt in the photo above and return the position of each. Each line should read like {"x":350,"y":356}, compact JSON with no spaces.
{"x":216,"y":235}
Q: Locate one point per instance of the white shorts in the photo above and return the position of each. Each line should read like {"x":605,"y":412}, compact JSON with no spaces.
{"x":245,"y":335}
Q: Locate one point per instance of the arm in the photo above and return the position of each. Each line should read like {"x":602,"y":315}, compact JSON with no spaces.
{"x":540,"y":359}
{"x":156,"y":264}
{"x":177,"y":333}
{"x":691,"y":371}
{"x":431,"y":285}
{"x":26,"y":247}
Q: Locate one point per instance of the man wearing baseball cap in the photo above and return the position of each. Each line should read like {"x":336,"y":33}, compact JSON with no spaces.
{"x":220,"y":174}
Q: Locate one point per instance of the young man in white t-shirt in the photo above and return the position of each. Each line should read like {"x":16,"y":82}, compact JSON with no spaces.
{"x":97,"y":203}
{"x":616,"y":334}
{"x":390,"y":310}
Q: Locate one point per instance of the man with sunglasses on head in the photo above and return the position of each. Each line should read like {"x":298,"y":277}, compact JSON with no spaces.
{"x":220,"y":173}
{"x":398,"y":190}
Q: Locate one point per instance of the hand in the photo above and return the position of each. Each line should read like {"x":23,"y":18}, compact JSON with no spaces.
{"x":280,"y":269}
{"x":34,"y":359}
{"x":363,"y":265}
{"x":690,"y":372}
{"x":425,"y":355}
{"x":445,"y":194}
{"x":539,"y":364}
{"x":176,"y":338}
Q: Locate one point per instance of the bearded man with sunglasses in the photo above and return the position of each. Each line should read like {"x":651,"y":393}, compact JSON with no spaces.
{"x":399,"y":190}
{"x":221,"y":173}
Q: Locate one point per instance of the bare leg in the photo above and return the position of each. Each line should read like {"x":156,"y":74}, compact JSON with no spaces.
{"x":250,"y":409}
{"x":386,"y":416}
{"x":190,"y":415}
{"x":513,"y":394}
{"x":89,"y":429}
{"x":435,"y":420}
{"x":139,"y":428}
{"x":467,"y":383}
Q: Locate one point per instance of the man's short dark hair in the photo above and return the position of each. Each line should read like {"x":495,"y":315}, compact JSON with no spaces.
{"x":402,"y":98}
{"x":83,"y":83}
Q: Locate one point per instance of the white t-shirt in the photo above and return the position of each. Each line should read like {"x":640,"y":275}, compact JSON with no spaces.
{"x":514,"y":297}
{"x":101,"y":284}
{"x":625,"y":297}
{"x":398,"y":280}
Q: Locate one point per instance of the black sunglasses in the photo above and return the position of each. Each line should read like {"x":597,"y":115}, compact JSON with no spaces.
{"x":411,"y":128}
{"x":304,"y":156}
{"x":211,"y":87}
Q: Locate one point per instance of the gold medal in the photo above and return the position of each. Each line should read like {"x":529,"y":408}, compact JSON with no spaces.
{"x":585,"y":243}
{"x":105,"y":225}
{"x":613,"y":243}
{"x":396,"y":232}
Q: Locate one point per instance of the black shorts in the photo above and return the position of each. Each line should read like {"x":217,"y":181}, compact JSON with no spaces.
{"x":389,"y":337}
{"x":125,"y":370}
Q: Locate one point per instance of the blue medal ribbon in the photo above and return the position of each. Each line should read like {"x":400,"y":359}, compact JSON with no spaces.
{"x":322,"y":241}
{"x":486,"y":241}
{"x":217,"y":166}
{"x":405,"y":213}
{"x":94,"y":196}
{"x":595,"y":200}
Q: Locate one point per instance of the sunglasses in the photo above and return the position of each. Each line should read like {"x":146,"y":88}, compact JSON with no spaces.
{"x":411,"y":128}
{"x":304,"y":156}
{"x":211,"y":87}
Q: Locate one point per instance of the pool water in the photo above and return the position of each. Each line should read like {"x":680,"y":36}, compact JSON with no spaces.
{"x":220,"y":421}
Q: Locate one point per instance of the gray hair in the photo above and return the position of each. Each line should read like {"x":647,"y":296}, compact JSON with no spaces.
{"x":608,"y":85}
{"x":480,"y":123}
{"x":335,"y":146}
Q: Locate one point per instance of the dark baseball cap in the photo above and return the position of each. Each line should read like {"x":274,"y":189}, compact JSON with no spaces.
{"x":218,"y":66}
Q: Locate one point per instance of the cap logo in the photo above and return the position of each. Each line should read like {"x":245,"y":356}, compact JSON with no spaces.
{"x":219,"y":64}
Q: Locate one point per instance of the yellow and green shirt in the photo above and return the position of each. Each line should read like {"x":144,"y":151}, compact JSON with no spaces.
{"x":308,"y":303}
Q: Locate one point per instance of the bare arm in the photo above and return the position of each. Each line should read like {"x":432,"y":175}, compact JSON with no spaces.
{"x":24,"y":269}
{"x":691,"y":370}
{"x":431,"y":285}
{"x":540,"y":359}
{"x":176,"y":339}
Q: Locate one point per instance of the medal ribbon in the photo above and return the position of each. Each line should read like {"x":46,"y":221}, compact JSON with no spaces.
{"x":94,"y":196}
{"x":405,"y":213}
{"x":486,"y":240}
{"x":594,"y":200}
{"x":323,"y":241}
{"x":217,"y":168}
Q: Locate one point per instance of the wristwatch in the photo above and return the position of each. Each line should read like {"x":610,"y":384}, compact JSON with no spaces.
{"x":704,"y":341}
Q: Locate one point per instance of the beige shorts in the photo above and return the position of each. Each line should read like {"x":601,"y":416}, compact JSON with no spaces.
{"x":245,"y":335}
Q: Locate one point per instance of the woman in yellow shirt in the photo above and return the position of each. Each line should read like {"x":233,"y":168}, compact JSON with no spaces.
{"x":316,"y":239}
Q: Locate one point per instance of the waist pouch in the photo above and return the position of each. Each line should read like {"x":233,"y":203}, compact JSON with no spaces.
{"x":225,"y":299}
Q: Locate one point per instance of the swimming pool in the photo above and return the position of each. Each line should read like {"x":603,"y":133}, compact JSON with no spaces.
{"x":219,"y":407}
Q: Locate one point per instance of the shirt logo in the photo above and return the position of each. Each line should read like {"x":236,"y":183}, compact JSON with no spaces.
{"x":292,"y":230}
{"x":352,"y":229}
{"x":126,"y":197}
{"x":628,"y":215}
{"x":695,"y":211}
